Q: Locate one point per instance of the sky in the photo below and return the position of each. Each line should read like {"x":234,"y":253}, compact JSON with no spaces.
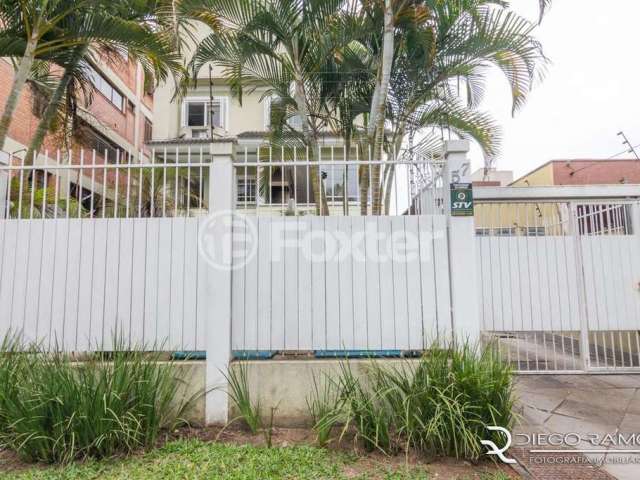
{"x":590,"y":93}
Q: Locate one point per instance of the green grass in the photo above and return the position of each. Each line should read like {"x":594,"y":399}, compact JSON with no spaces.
{"x":194,"y":459}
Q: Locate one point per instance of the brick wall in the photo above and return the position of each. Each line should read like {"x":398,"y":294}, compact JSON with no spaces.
{"x":596,"y":172}
{"x":25,"y":122}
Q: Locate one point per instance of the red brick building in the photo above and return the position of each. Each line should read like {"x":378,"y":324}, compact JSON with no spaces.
{"x":118,"y":118}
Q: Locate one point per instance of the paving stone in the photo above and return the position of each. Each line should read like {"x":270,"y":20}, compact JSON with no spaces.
{"x":621,"y":381}
{"x":544,"y":399}
{"x":634,"y":404}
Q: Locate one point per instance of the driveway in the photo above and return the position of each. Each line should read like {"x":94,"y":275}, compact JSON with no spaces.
{"x":584,"y":409}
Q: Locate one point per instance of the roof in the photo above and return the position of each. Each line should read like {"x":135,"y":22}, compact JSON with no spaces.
{"x":191,"y":141}
{"x":591,"y":171}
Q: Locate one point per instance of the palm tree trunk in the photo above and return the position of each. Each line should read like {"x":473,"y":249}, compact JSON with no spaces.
{"x":390,"y":171}
{"x":363,"y":181}
{"x":378,"y":108}
{"x":311,"y":140}
{"x":18,"y":83}
{"x":345,"y":179}
{"x":54,"y":103}
{"x":47,"y":118}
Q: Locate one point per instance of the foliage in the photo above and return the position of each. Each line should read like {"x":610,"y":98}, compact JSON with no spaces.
{"x":238,"y":392}
{"x":442,"y":406}
{"x":28,"y":201}
{"x":250,"y":412}
{"x":54,"y":409}
{"x":376,"y":73}
{"x":324,"y":408}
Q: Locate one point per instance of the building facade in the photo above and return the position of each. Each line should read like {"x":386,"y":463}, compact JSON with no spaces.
{"x":115,"y":121}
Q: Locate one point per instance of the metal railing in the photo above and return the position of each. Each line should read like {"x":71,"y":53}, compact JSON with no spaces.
{"x":289,"y":181}
{"x":92,"y":185}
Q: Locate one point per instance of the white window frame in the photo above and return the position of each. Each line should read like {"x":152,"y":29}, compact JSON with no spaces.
{"x":224,"y":110}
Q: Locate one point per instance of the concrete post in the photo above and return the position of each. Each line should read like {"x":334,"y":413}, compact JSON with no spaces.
{"x":218,"y":229}
{"x":465,"y":318}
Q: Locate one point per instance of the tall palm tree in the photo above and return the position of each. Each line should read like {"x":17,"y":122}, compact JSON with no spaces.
{"x":438,"y":46}
{"x":124,"y":27}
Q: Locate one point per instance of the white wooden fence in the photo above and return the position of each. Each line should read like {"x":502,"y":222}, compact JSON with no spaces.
{"x":341,"y":283}
{"x":92,"y":246}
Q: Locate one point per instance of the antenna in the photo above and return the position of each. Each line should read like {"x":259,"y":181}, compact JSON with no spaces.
{"x":627,"y":143}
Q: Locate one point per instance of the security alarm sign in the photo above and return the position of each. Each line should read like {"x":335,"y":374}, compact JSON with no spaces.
{"x":461,"y":200}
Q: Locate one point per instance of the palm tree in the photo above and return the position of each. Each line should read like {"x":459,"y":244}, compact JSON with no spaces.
{"x":29,"y":30}
{"x":283,"y":46}
{"x":124,"y":27}
{"x":438,"y":46}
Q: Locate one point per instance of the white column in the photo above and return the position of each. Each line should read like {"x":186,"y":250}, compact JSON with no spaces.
{"x":218,"y":341}
{"x":465,"y":317}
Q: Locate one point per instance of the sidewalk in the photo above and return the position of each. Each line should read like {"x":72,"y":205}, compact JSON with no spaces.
{"x":586,"y":405}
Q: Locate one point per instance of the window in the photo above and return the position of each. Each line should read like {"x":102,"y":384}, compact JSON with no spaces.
{"x":504,"y":231}
{"x":535,"y":232}
{"x":196,"y":114}
{"x":105,"y":88}
{"x":246,"y":190}
{"x":273,"y":105}
{"x":335,"y":179}
{"x":200,"y":112}
{"x":483,"y":232}
{"x":148,"y":130}
{"x":610,"y":219}
{"x":104,"y":147}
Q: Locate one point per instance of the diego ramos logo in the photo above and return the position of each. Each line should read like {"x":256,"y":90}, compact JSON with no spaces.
{"x":494,"y":450}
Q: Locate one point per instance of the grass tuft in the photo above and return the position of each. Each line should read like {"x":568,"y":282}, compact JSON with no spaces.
{"x":54,"y":409}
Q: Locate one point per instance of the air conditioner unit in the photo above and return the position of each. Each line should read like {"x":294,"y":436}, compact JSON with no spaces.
{"x":200,"y":133}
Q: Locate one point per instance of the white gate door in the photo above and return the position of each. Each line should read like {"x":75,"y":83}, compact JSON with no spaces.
{"x":560,"y":283}
{"x":610,"y":257}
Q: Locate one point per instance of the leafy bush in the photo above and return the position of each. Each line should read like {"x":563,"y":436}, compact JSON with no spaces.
{"x":442,"y":406}
{"x":54,"y":409}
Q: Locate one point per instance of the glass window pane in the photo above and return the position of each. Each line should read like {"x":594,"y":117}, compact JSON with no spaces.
{"x":116,"y":98}
{"x":195,"y":114}
{"x":216,"y":115}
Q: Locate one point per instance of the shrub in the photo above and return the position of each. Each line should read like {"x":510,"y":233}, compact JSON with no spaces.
{"x":442,"y":406}
{"x":248,"y":411}
{"x":324,"y":408}
{"x":54,"y":409}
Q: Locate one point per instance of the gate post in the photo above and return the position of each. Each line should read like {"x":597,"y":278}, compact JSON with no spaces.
{"x":218,"y":230}
{"x":465,"y":318}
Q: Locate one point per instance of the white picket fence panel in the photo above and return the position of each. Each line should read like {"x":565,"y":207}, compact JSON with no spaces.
{"x":282,"y":300}
{"x":73,"y":283}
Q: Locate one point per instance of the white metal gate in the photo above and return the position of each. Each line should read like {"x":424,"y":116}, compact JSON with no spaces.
{"x":559,"y":282}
